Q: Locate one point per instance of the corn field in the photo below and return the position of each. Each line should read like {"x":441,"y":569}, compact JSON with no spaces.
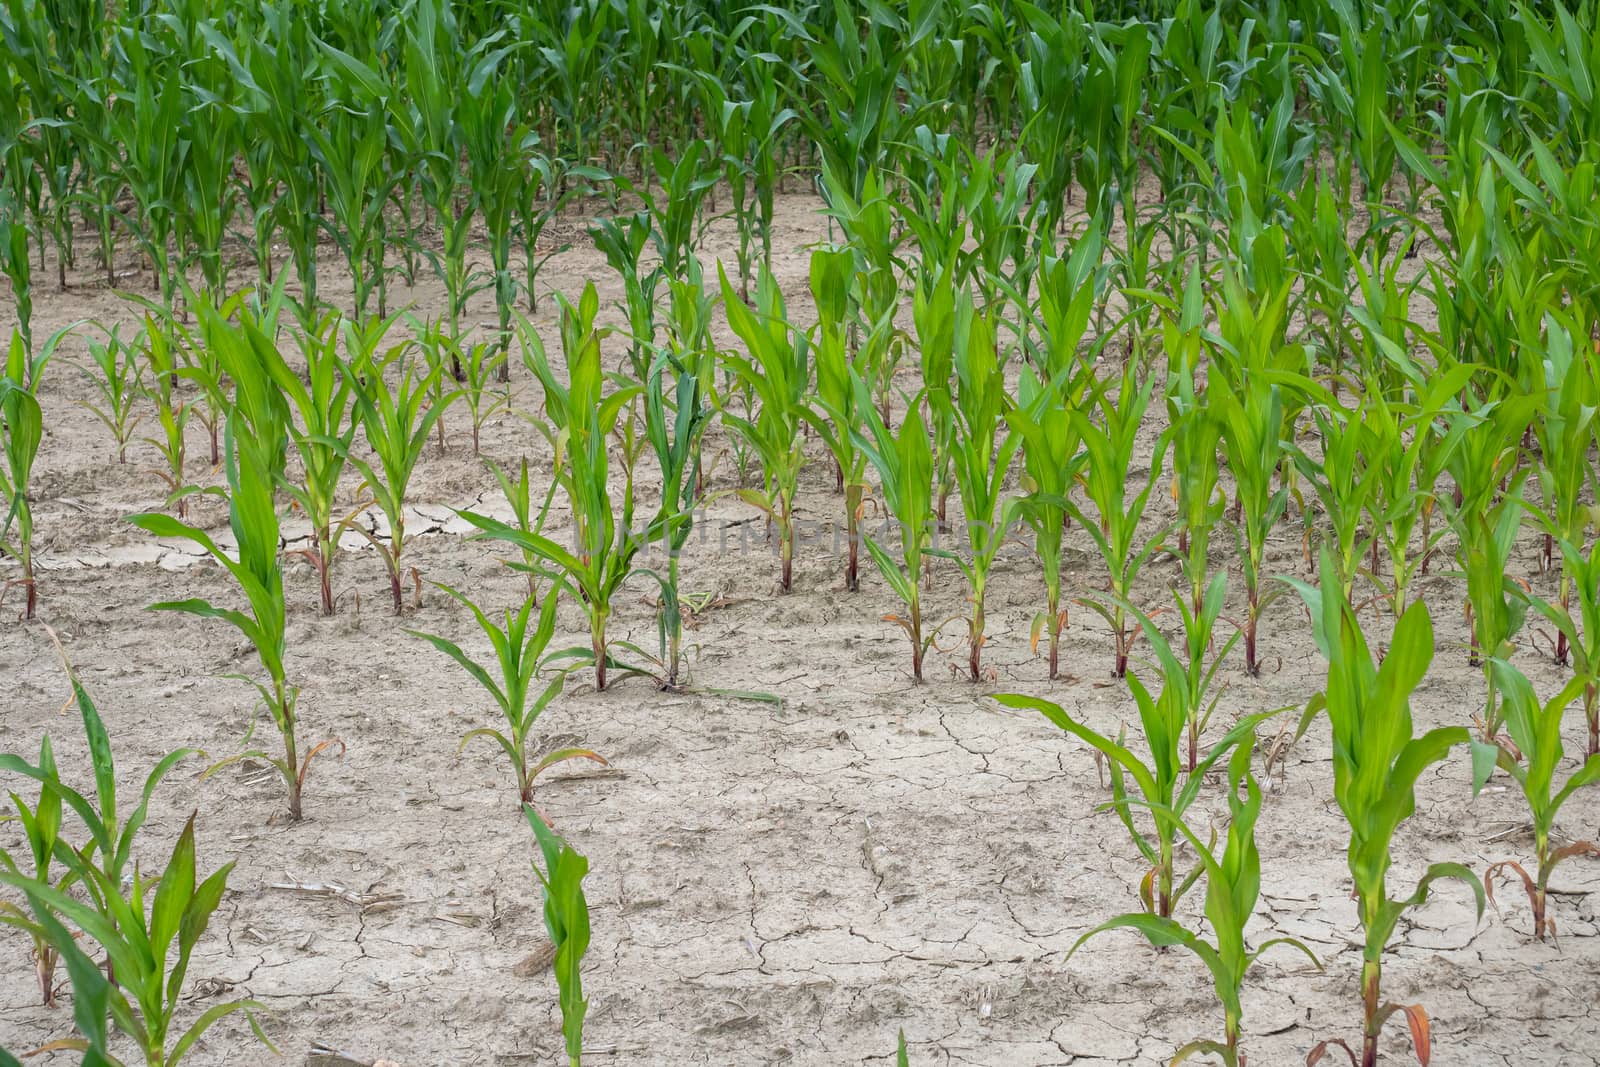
{"x":991,"y":533}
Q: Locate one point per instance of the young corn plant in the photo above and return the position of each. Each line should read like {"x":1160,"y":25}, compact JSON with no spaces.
{"x":1233,"y":884}
{"x":1252,"y":440}
{"x":1376,"y":763}
{"x":110,"y":845}
{"x":1053,"y":387}
{"x":1410,"y":453}
{"x":904,"y":463}
{"x":579,"y":422}
{"x":778,"y":371}
{"x":21,"y":430}
{"x":1564,"y":429}
{"x":480,"y":364}
{"x":675,"y":420}
{"x":518,"y":656}
{"x":396,"y":422}
{"x":1119,"y":504}
{"x":1535,"y":730}
{"x":148,"y":928}
{"x":118,"y":381}
{"x":1583,"y":631}
{"x":519,"y":497}
{"x":833,"y":413}
{"x":41,"y":829}
{"x":1487,"y":516}
{"x":172,"y":413}
{"x":323,"y":399}
{"x":1163,"y":785}
{"x":984,"y":446}
{"x":566,"y":921}
{"x":255,"y":451}
{"x":1344,"y":484}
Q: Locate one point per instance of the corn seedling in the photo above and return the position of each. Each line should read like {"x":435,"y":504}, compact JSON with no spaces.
{"x":1252,"y":428}
{"x":622,"y":241}
{"x":480,"y":364}
{"x":1163,"y":785}
{"x":1583,"y":631}
{"x":1233,"y":883}
{"x":172,"y":412}
{"x":138,"y":924}
{"x":1409,"y":453}
{"x":566,"y":921}
{"x":674,"y":427}
{"x":1535,"y":730}
{"x":255,"y":452}
{"x":41,"y":828}
{"x":518,"y":653}
{"x":1564,"y":429}
{"x":904,"y":463}
{"x":984,"y":446}
{"x":1119,"y":501}
{"x":117,"y":378}
{"x":22,"y":429}
{"x":1343,"y":483}
{"x":396,"y":422}
{"x":833,"y":412}
{"x":323,"y":399}
{"x":1376,"y":763}
{"x":579,"y":422}
{"x":1053,"y":387}
{"x":519,"y":497}
{"x":110,"y":837}
{"x":1488,"y":515}
{"x":778,"y":371}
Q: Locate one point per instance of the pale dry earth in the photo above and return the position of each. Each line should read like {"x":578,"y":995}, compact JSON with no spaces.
{"x":785,"y":884}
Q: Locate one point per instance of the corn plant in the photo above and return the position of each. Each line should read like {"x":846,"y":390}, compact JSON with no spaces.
{"x":579,"y":422}
{"x":117,"y":378}
{"x":984,"y":446}
{"x":519,"y":497}
{"x":138,"y":924}
{"x":1564,"y":429}
{"x":350,"y":142}
{"x":1053,"y":387}
{"x":255,"y":451}
{"x":1410,"y":449}
{"x":1119,"y":503}
{"x":327,"y":426}
{"x":172,"y":411}
{"x":518,"y":654}
{"x":480,"y":364}
{"x":1487,"y":516}
{"x":22,"y":428}
{"x":674,"y":427}
{"x":1163,"y":785}
{"x":1343,"y":483}
{"x":778,"y":371}
{"x":1252,"y":428}
{"x":396,"y":422}
{"x":1377,"y":760}
{"x":1535,"y":730}
{"x":832,"y":412}
{"x":1196,"y":438}
{"x":41,"y":829}
{"x":622,"y":241}
{"x":566,"y":921}
{"x":1233,"y":884}
{"x":904,"y":463}
{"x":110,"y":837}
{"x":1583,"y":631}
